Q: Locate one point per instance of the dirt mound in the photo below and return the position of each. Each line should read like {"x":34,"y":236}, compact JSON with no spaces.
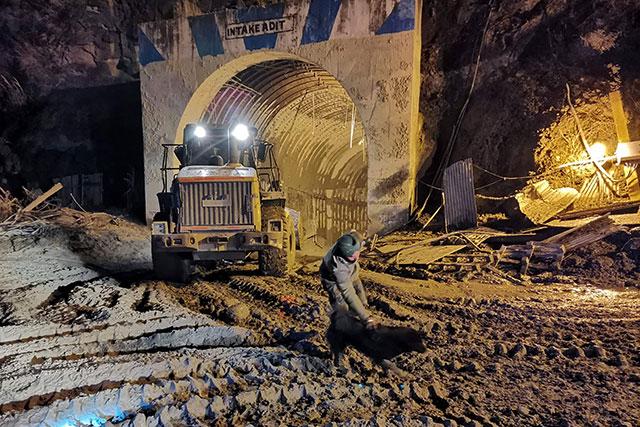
{"x":87,"y":336}
{"x":105,"y":241}
{"x":613,"y":262}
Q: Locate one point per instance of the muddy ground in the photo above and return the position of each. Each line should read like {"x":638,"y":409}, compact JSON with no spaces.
{"x":88,"y":337}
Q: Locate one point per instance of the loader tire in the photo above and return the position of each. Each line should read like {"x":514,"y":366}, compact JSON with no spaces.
{"x":280,"y":262}
{"x":172,"y":267}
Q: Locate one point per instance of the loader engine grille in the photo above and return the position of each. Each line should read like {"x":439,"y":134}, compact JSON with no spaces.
{"x":211,"y":204}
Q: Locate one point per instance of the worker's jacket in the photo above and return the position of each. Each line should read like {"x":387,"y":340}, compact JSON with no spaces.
{"x":339,"y":277}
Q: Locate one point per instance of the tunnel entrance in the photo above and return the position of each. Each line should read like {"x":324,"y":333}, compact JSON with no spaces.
{"x":335,"y":90}
{"x":319,"y":139}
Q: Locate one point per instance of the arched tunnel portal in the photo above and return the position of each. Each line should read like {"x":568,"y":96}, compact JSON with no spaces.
{"x":336,"y":93}
{"x":318,"y":136}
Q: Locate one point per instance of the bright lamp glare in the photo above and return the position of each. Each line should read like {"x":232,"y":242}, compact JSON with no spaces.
{"x":200,"y":132}
{"x":240,"y":132}
{"x":628,"y":152}
{"x":598,"y":151}
{"x":623,"y":150}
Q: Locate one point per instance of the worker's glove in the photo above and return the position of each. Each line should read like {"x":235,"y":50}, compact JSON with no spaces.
{"x":371,"y":324}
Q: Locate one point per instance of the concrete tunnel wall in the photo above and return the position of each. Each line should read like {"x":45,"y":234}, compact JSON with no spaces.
{"x":371,"y":48}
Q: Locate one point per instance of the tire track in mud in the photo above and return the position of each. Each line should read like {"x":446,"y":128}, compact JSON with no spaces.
{"x":6,"y":314}
{"x":62,"y":293}
{"x":158,"y":340}
{"x":110,"y":373}
{"x":97,"y":345}
{"x":277,"y":309}
{"x":73,"y":330}
{"x":47,"y":352}
{"x":254,"y":292}
{"x":65,"y":365}
{"x":83,"y":367}
{"x":223,"y":384}
{"x":112,"y":339}
{"x":266,"y":297}
{"x":460,"y":331}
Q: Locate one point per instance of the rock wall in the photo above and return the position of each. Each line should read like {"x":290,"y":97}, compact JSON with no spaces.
{"x":70,"y":89}
{"x":532,"y":49}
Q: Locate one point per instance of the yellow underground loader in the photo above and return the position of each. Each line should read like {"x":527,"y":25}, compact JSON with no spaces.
{"x":224,"y":203}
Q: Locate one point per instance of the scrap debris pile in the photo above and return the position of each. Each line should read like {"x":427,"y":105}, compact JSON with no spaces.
{"x":488,"y":254}
{"x":31,"y":215}
{"x":560,"y":233}
{"x":14,"y":215}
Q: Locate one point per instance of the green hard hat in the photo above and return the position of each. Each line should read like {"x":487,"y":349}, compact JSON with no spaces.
{"x":350,"y":243}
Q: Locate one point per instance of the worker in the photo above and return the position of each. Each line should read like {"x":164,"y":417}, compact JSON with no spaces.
{"x":339,"y":277}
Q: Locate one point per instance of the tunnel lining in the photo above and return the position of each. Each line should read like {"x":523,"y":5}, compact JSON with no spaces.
{"x":318,"y":133}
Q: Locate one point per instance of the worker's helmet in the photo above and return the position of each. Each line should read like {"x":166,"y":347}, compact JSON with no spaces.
{"x":350,"y":243}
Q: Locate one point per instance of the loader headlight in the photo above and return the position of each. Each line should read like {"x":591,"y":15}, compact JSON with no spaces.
{"x":240,"y":132}
{"x":200,"y":132}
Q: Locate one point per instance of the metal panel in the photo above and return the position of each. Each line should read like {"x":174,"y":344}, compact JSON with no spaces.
{"x":540,"y":202}
{"x":199,"y":207}
{"x":460,"y":210}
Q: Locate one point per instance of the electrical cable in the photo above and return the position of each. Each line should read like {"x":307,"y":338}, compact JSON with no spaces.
{"x":430,"y":186}
{"x":585,"y":143}
{"x":506,"y":178}
{"x":456,"y":128}
{"x":485,"y":197}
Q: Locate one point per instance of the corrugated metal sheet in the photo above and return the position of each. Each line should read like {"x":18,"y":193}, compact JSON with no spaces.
{"x":195,"y":212}
{"x":460,"y":209}
{"x":540,"y":202}
{"x":594,"y":193}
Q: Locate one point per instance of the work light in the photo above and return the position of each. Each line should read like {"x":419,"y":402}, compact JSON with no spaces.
{"x":240,"y":132}
{"x":200,"y":132}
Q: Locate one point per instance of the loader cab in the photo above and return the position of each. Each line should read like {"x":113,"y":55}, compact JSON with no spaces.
{"x":210,"y":147}
{"x":238,"y":145}
{"x":223,"y":202}
{"x":203,"y":146}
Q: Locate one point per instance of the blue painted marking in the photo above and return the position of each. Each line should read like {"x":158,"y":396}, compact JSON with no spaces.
{"x":320,"y":20}
{"x":206,"y":35}
{"x":401,"y":18}
{"x":254,"y":13}
{"x":148,"y":52}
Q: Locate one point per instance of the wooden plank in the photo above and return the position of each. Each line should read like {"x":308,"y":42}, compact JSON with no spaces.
{"x":593,"y":222}
{"x":504,"y":275}
{"x":421,"y":243}
{"x":585,"y":234}
{"x":620,"y":219}
{"x":427,"y":254}
{"x":43,"y":197}
{"x":597,"y":211}
{"x":541,"y":255}
{"x":392,"y":247}
{"x":626,"y":219}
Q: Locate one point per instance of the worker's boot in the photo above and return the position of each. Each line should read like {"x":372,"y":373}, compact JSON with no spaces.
{"x":341,"y":363}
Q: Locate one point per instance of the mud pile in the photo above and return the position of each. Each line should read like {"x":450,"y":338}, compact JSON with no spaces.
{"x":90,"y":338}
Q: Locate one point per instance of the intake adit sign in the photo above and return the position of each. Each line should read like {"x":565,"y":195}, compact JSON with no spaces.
{"x":258,"y":28}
